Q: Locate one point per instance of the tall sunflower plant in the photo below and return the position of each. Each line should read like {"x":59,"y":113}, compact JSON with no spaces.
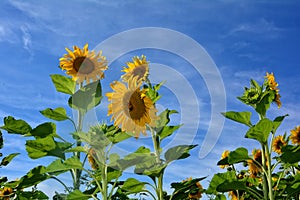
{"x":271,"y":170}
{"x":96,"y":171}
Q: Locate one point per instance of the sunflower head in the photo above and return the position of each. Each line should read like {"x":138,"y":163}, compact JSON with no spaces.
{"x":5,"y":193}
{"x":139,"y":67}
{"x":83,"y":65}
{"x":295,"y":135}
{"x":272,"y":85}
{"x":91,"y":159}
{"x":278,"y":143}
{"x":224,"y":155}
{"x":254,"y":167}
{"x":233,"y":195}
{"x":195,"y":190}
{"x":131,"y":109}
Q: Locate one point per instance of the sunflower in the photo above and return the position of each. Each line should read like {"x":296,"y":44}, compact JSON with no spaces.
{"x":272,"y":84}
{"x":233,"y":195}
{"x":138,"y":68}
{"x":196,"y":190}
{"x":130,"y":108}
{"x":83,"y":65}
{"x":5,"y":193}
{"x":224,"y":155}
{"x":254,"y":167}
{"x":278,"y":143}
{"x":295,"y":135}
{"x":91,"y":158}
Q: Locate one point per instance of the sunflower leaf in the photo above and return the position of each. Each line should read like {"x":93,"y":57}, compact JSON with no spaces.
{"x":241,"y":117}
{"x":166,"y":131}
{"x":260,"y":131}
{"x":78,"y":195}
{"x":131,"y":186}
{"x":11,"y":125}
{"x":43,"y":130}
{"x":164,"y":118}
{"x":86,"y":97}
{"x":58,"y":114}
{"x":63,"y":84}
{"x":6,"y":160}
{"x":178,"y":152}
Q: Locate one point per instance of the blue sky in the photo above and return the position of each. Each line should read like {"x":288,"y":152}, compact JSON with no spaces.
{"x":244,"y":39}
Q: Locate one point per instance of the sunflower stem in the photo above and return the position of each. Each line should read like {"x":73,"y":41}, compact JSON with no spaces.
{"x":156,"y":144}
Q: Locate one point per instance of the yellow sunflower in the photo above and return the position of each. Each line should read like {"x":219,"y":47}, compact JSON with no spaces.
{"x":130,"y":108}
{"x":5,"y":193}
{"x":224,"y":155}
{"x":91,"y":158}
{"x":233,"y":195}
{"x":254,"y":167}
{"x":195,"y":195}
{"x":83,"y":65}
{"x":278,"y":143}
{"x":138,"y":68}
{"x":295,"y":135}
{"x":273,"y":86}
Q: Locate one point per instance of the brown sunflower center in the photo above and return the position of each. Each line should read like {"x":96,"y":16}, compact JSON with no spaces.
{"x":136,"y":106}
{"x":83,"y":65}
{"x":140,"y":71}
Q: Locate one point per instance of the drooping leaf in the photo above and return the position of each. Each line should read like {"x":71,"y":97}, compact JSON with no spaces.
{"x":44,"y":130}
{"x":6,"y":160}
{"x":260,"y":131}
{"x":86,"y":97}
{"x":63,"y":84}
{"x":139,"y":156}
{"x":58,"y":114}
{"x":241,"y":117}
{"x":178,"y":152}
{"x":132,"y":185}
{"x":11,"y":125}
{"x":78,"y":195}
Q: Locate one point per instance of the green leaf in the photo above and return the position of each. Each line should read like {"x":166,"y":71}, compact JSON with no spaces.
{"x":78,"y":195}
{"x":277,"y":121}
{"x":218,"y":179}
{"x":33,"y":177}
{"x":167,"y":131}
{"x":6,"y":160}
{"x":44,"y":130}
{"x":59,"y":166}
{"x":238,"y":155}
{"x":260,"y":131}
{"x":164,"y":118}
{"x":178,"y":152}
{"x":86,"y":97}
{"x":63,"y":84}
{"x":46,"y":147}
{"x":131,"y":185}
{"x":227,"y":186}
{"x":241,"y":117}
{"x":58,"y":114}
{"x":139,"y":156}
{"x":25,"y":195}
{"x":290,"y":154}
{"x":73,"y":163}
{"x":265,"y":103}
{"x":11,"y":125}
{"x":113,"y":174}
{"x":77,"y":149}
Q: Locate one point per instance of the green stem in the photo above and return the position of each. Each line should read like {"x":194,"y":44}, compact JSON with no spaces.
{"x":265,"y":179}
{"x":67,"y":189}
{"x":78,"y":143}
{"x":269,"y":172}
{"x":104,"y":181}
{"x":156,"y":144}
